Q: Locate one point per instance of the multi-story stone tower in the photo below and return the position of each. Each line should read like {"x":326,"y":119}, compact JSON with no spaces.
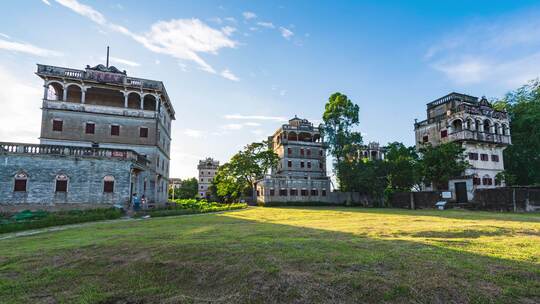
{"x":102,"y":107}
{"x":372,"y":151}
{"x":301,"y":171}
{"x":207,"y":170}
{"x":483,"y":131}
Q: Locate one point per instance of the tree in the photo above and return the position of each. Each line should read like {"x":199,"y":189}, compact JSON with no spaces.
{"x":441,"y":163}
{"x":237,"y":177}
{"x":339,"y":117}
{"x":364,"y":176}
{"x":403,"y":170}
{"x":188,"y":189}
{"x":522,"y":158}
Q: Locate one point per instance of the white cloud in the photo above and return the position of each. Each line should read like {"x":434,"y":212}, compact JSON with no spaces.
{"x":269,"y":25}
{"x":183,"y":66}
{"x":252,"y":124}
{"x":229,"y":75}
{"x":194,"y":133}
{"x":286,"y":33}
{"x":27,"y":48}
{"x":46,"y":2}
{"x":255,"y":117}
{"x":230,"y":19}
{"x":182,"y":39}
{"x":20,"y":117}
{"x":123,"y":61}
{"x":228,"y":30}
{"x":500,"y":52}
{"x":233,"y":126}
{"x":249,"y":15}
{"x":5,"y":35}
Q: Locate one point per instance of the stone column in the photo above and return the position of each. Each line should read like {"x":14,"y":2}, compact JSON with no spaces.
{"x":45,"y":91}
{"x":126,"y":96}
{"x":83,"y":95}
{"x":64,"y":90}
{"x":142,"y":102}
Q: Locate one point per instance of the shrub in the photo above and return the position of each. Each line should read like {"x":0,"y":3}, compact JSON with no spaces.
{"x":190,"y":206}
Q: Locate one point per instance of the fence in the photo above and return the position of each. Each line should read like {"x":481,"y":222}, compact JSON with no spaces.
{"x":508,"y":199}
{"x":414,"y":200}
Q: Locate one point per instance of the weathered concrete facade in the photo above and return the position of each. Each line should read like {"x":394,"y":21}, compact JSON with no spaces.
{"x":41,"y":174}
{"x":95,"y":110}
{"x":207,"y":171}
{"x":301,"y":172}
{"x":483,"y":131}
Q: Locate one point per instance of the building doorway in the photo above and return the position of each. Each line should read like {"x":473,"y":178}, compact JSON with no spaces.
{"x":461,"y":192}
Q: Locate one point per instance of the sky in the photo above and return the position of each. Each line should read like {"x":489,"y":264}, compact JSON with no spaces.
{"x":237,"y":70}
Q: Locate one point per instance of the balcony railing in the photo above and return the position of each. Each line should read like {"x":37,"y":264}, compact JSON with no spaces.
{"x":99,"y":76}
{"x":479,"y":136}
{"x":21,"y":148}
{"x":84,"y":107}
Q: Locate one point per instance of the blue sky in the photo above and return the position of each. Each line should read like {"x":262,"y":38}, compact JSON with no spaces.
{"x":236,"y":69}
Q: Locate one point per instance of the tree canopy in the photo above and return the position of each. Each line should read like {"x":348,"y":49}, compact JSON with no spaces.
{"x":188,"y":189}
{"x":441,"y":163}
{"x":236,"y":178}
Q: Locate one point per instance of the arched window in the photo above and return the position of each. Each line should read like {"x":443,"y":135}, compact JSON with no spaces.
{"x":478,"y":125}
{"x":20,"y":182}
{"x":487,"y":126}
{"x":470,"y":124}
{"x":74,"y":94}
{"x":457,"y":126}
{"x":496,"y":128}
{"x":505,"y":130}
{"x":149,"y":102}
{"x":55,"y":91}
{"x":292,"y":136}
{"x":61,"y":183}
{"x":108,"y":184}
{"x":134,"y":100}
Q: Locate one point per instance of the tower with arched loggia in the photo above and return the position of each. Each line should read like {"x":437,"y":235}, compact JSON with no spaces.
{"x":300,"y":175}
{"x":483,"y":131}
{"x":102,"y":113}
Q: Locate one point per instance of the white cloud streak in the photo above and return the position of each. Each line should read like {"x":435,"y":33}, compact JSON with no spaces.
{"x":27,"y":48}
{"x":229,"y":75}
{"x":194,"y":133}
{"x":269,"y":25}
{"x":249,"y":15}
{"x":183,"y":39}
{"x":286,"y":33}
{"x":123,"y":61}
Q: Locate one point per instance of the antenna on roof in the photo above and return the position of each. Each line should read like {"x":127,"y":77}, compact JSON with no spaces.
{"x":107,"y":56}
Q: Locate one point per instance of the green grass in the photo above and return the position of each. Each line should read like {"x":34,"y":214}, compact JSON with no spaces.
{"x":280,"y":255}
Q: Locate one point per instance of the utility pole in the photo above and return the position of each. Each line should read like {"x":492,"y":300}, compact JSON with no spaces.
{"x":107,"y":56}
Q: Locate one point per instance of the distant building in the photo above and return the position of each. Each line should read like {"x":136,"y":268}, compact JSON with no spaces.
{"x":104,"y":136}
{"x":301,"y":171}
{"x":483,"y":131}
{"x":372,"y":151}
{"x":207,"y":170}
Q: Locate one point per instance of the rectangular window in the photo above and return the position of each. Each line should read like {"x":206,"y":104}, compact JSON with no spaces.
{"x":495,"y":158}
{"x":289,"y":164}
{"x":308,"y":152}
{"x":323,"y":192}
{"x":294,"y":192}
{"x":476,"y":181}
{"x":303,"y":192}
{"x":289,"y":151}
{"x":473,"y":156}
{"x":425,"y":139}
{"x":57,"y":125}
{"x":90,"y":128}
{"x":258,"y":193}
{"x":272,"y":192}
{"x":314,"y":192}
{"x":484,"y":157}
{"x":301,"y":164}
{"x":309,"y":165}
{"x":320,"y":166}
{"x":283,"y":192}
{"x":320,"y":152}
{"x":302,"y":152}
{"x":61,"y":186}
{"x":108,"y":186}
{"x":444,"y":133}
{"x":20,"y":185}
{"x":143,"y":132}
{"x":115,"y":130}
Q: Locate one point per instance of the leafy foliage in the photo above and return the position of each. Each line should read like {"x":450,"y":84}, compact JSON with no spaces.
{"x":188,"y":189}
{"x":340,"y":117}
{"x":441,"y":163}
{"x":191,"y":206}
{"x":522,"y":158}
{"x":403,"y":168}
{"x":236,"y":178}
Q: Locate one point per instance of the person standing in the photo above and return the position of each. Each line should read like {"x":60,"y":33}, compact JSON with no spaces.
{"x":136,"y":202}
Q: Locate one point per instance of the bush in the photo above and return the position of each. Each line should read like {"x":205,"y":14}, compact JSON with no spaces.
{"x":190,"y":206}
{"x":26,"y":220}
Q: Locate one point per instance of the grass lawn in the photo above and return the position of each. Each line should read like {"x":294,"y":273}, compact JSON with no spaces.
{"x":277,"y":255}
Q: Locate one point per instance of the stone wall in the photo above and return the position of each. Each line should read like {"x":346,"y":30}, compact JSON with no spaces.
{"x":85,"y":179}
{"x":508,"y":199}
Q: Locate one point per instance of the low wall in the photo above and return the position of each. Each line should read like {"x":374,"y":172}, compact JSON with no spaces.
{"x":415,"y":200}
{"x":508,"y":199}
{"x":9,"y":209}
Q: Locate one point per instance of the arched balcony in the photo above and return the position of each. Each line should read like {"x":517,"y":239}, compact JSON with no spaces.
{"x":292,"y":136}
{"x":74,"y":93}
{"x":149,"y":102}
{"x":304,"y":136}
{"x":134,"y":100}
{"x":104,"y":97}
{"x":487,"y":126}
{"x":54,"y":91}
{"x":456,"y":126}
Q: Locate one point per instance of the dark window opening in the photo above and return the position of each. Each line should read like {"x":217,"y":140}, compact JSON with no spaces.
{"x":314,"y":192}
{"x":495,"y":158}
{"x":20,"y":185}
{"x":484,"y":157}
{"x":272,"y":192}
{"x":115,"y":130}
{"x":323,"y":192}
{"x":283,"y":192}
{"x":473,"y":156}
{"x":289,"y":151}
{"x":289,"y":164}
{"x":108,"y":186}
{"x":143,"y":132}
{"x":301,"y":164}
{"x":425,"y":139}
{"x":308,"y":152}
{"x":303,"y":192}
{"x":444,"y":133}
{"x":61,"y":186}
{"x":309,"y":165}
{"x":294,"y":192}
{"x":57,"y":125}
{"x":90,"y":128}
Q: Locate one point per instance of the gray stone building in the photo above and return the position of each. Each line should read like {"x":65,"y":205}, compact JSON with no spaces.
{"x":483,"y":131}
{"x":207,"y":170}
{"x":116,"y":128}
{"x":372,"y":151}
{"x":301,"y":173}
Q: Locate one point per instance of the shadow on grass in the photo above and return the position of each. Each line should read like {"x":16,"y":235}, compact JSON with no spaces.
{"x":221,"y":259}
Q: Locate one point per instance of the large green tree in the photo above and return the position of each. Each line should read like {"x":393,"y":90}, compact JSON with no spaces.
{"x":522,"y":158}
{"x":340,"y":117}
{"x":403,"y":169}
{"x":237,"y":177}
{"x":441,"y":163}
{"x":188,"y":189}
